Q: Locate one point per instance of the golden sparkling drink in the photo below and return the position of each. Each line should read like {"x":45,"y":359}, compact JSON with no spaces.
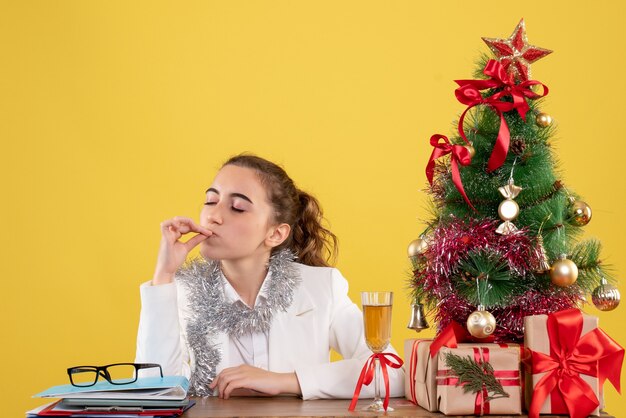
{"x":377,"y":320}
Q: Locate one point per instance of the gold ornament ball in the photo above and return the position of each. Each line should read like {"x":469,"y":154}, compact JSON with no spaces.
{"x":471,"y":150}
{"x":563,"y":272}
{"x":481,"y":324}
{"x":605,"y":297}
{"x":579,"y":213}
{"x":417,"y":247}
{"x":543,"y":120}
{"x":508,"y":210}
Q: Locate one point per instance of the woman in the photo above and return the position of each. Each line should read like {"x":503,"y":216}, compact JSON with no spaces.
{"x":245,"y":317}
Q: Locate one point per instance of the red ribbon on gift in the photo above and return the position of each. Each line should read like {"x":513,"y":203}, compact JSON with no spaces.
{"x":594,"y":354}
{"x":481,"y":403}
{"x":469,"y":94}
{"x":454,"y":334}
{"x":413,"y":370}
{"x":367,"y":375}
{"x":458,"y":155}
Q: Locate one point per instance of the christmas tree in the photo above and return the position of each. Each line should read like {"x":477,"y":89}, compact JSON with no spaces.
{"x":503,"y":241}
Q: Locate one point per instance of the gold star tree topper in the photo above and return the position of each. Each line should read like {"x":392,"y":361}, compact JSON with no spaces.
{"x":515,"y":53}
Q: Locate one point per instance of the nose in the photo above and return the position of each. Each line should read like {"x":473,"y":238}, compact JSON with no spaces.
{"x":212,"y":214}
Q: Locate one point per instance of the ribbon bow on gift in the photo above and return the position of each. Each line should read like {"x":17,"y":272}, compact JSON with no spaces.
{"x":595,"y":354}
{"x":454,"y":334}
{"x":469,"y":94}
{"x":367,"y":375}
{"x":458,"y":155}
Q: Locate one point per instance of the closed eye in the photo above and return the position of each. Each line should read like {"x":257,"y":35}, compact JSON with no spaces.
{"x":237,"y":209}
{"x":210,"y":203}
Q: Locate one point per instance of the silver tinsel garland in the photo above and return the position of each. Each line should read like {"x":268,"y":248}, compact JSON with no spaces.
{"x":212,"y":314}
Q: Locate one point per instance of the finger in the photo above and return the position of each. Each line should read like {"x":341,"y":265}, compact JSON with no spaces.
{"x":169,"y":225}
{"x":193,"y":242}
{"x":214,"y":382}
{"x":182,"y":227}
{"x":225,"y":381}
{"x":193,"y":226}
{"x":232,"y":385}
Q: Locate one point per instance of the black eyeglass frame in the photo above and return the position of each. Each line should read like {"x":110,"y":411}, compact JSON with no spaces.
{"x":102,"y":371}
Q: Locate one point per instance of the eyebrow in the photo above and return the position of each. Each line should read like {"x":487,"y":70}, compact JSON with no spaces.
{"x":242,"y":196}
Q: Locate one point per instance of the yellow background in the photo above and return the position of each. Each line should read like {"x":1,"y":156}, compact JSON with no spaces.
{"x":115,"y":115}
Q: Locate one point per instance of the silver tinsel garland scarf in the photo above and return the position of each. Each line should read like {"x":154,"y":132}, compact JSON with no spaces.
{"x":211,"y":313}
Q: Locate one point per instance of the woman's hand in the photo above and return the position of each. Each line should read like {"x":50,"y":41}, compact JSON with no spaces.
{"x":255,"y":379}
{"x":172,"y":252}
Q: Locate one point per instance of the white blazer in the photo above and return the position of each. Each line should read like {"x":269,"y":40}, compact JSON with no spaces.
{"x":321,"y":317}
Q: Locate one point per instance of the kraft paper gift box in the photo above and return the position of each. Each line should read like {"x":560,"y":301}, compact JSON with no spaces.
{"x":420,"y":386}
{"x":536,"y":339}
{"x":505,"y":360}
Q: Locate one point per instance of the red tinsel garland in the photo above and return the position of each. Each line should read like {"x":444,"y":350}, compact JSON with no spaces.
{"x":450,"y":242}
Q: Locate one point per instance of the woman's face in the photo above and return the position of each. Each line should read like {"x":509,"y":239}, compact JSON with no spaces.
{"x":237,"y":210}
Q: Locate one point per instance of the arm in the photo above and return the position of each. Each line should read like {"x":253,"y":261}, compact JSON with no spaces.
{"x":338,"y":379}
{"x":159,"y":335}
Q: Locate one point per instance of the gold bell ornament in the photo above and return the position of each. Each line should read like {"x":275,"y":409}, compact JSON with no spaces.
{"x":508,"y":209}
{"x":418,"y":318}
{"x":605,"y":297}
{"x":563,"y":272}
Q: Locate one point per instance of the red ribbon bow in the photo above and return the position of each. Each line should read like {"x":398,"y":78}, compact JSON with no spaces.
{"x":367,"y":375}
{"x":454,"y":334}
{"x":459,"y":155}
{"x":595,"y":354}
{"x":469,"y":94}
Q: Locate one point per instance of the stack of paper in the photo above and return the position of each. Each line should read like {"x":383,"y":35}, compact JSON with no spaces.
{"x":147,"y":397}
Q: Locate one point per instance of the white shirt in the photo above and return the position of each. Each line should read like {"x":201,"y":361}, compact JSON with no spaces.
{"x":251,"y":348}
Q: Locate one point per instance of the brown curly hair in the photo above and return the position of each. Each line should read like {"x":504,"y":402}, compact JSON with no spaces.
{"x":314,"y":244}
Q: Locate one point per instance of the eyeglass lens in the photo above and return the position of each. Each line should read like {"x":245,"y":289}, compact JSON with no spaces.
{"x":117,"y":374}
{"x":83,"y":376}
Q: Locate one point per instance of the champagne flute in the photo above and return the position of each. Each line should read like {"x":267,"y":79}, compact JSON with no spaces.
{"x":377,"y":322}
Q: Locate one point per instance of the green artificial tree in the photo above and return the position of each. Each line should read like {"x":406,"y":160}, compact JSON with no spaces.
{"x":503,"y":239}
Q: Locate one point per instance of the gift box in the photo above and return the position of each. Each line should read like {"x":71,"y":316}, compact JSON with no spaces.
{"x":569,"y":359}
{"x":422,"y":363}
{"x":504,"y":360}
{"x":420,"y":386}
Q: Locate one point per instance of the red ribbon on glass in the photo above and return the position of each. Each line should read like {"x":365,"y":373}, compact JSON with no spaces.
{"x":469,"y":94}
{"x":458,"y":155}
{"x":594,"y":354}
{"x":367,"y":375}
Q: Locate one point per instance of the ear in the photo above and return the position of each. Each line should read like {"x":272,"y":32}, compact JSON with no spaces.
{"x":277,"y":235}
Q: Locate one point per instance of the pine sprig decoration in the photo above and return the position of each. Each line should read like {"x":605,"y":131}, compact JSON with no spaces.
{"x":473,"y":375}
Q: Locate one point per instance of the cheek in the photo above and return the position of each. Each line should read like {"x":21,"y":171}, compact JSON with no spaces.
{"x":249,"y":229}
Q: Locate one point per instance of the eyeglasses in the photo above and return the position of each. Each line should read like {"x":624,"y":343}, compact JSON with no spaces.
{"x":116,"y":374}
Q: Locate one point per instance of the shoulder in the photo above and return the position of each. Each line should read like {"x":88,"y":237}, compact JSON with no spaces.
{"x":327,"y":281}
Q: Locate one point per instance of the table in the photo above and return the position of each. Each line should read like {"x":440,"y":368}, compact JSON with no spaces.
{"x":295,"y":407}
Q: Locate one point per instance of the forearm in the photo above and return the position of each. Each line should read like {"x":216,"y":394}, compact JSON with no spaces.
{"x":338,"y":379}
{"x":158,"y":337}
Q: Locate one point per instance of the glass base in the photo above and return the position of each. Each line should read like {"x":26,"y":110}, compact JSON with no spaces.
{"x":376,"y":406}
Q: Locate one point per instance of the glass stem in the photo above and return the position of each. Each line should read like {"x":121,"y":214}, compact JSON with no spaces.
{"x":377,"y":380}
